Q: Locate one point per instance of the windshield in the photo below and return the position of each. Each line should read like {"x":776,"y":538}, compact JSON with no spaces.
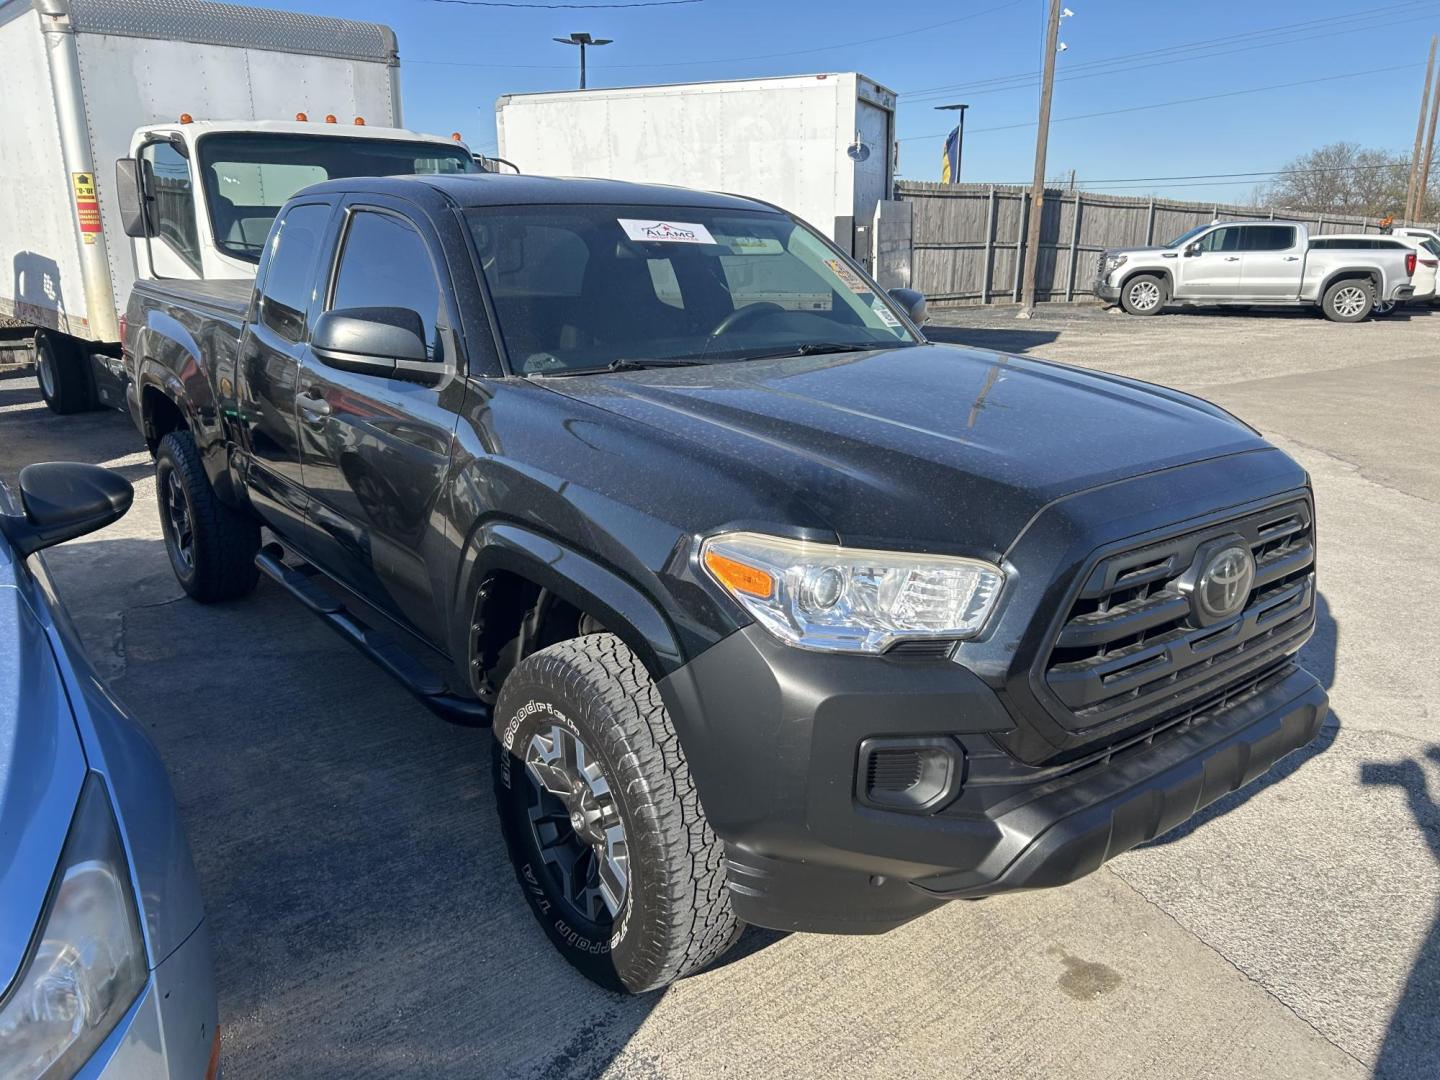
{"x":248,"y":178}
{"x":578,"y":288}
{"x":1188,"y":234}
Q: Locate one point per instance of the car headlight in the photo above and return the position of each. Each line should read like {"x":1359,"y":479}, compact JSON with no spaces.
{"x":1117,"y":261}
{"x":820,"y":596}
{"x":87,"y":963}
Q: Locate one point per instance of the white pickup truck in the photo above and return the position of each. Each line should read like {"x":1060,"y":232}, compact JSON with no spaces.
{"x":1272,"y":263}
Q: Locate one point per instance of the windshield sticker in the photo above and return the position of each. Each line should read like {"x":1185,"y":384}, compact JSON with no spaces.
{"x":851,"y":280}
{"x":886,"y":315}
{"x":670,"y":232}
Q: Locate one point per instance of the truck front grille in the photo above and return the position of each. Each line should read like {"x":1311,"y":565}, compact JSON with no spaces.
{"x":1131,"y":649}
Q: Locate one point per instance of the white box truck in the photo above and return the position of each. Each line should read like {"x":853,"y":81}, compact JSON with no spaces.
{"x":819,"y":146}
{"x":180,"y":123}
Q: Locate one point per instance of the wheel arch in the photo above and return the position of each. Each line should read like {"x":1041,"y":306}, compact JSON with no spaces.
{"x":508,"y":553}
{"x":1353,"y":273}
{"x":1161,"y":272}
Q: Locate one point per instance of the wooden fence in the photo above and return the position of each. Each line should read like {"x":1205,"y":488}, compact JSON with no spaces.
{"x":968,"y":240}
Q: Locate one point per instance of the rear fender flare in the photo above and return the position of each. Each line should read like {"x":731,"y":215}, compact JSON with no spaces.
{"x":170,"y":362}
{"x":1376,"y":276}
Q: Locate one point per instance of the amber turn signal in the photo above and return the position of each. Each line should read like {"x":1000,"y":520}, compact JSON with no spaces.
{"x":737,"y":576}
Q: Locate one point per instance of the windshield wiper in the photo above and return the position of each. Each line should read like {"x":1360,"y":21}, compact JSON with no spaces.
{"x":623,"y":363}
{"x":810,"y":348}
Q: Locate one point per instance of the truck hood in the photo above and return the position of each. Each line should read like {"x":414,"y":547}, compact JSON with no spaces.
{"x":42,"y":767}
{"x":928,"y":445}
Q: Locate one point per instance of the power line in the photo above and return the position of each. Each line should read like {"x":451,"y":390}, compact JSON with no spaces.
{"x":740,"y":59}
{"x":1366,"y":17}
{"x":1179,"y":101}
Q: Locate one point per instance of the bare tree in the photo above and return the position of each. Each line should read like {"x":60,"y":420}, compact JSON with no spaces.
{"x":1342,"y":178}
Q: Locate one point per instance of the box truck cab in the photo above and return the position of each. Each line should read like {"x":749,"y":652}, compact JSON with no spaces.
{"x":200,"y":103}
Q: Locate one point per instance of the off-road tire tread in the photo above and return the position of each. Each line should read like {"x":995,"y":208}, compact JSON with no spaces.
{"x":225,"y":539}
{"x":621,"y":708}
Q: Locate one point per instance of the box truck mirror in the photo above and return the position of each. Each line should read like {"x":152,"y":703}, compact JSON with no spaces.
{"x":133,"y":218}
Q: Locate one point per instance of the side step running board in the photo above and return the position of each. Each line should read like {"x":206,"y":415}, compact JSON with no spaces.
{"x":431,"y":691}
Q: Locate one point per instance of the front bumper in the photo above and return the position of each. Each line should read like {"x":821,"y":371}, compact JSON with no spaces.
{"x":172,"y":1029}
{"x":1104,"y":289}
{"x":773,"y":738}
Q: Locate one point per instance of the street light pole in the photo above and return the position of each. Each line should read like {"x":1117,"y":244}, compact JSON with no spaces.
{"x":959,"y":138}
{"x":1042,"y":139}
{"x":584,"y":41}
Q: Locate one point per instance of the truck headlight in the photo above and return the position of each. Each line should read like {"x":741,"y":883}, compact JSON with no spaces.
{"x":1117,"y":261}
{"x":820,"y":596}
{"x":87,"y":963}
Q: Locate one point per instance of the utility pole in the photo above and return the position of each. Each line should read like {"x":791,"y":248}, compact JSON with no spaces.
{"x":1410,"y":214}
{"x":584,"y":41}
{"x":1422,"y":184}
{"x":1042,"y":139}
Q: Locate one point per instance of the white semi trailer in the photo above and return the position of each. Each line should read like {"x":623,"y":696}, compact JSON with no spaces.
{"x":820,"y":146}
{"x":157,"y":138}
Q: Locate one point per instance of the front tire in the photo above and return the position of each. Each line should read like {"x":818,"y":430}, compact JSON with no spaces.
{"x":60,"y":370}
{"x":1144,"y":294}
{"x":605,"y":829}
{"x":1348,"y":301}
{"x":211,"y":546}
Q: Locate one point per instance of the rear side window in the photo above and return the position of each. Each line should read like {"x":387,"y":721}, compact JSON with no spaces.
{"x":1267,"y":237}
{"x":385,"y":263}
{"x":290,"y":278}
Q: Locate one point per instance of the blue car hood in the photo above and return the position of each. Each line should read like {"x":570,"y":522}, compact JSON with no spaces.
{"x":42,"y":767}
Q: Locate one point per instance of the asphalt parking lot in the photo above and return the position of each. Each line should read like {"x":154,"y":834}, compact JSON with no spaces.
{"x":366,"y":921}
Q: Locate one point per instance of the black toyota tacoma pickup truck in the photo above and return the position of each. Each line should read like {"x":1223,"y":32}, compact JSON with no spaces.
{"x":780,"y":613}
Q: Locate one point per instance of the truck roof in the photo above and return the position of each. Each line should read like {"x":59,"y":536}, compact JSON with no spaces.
{"x":224,"y":24}
{"x":505,"y":189}
{"x":343,"y":128}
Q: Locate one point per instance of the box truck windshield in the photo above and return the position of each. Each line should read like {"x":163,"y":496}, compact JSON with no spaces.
{"x":248,"y":177}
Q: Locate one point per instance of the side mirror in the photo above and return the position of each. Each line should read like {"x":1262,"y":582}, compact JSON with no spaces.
{"x":384,"y":341}
{"x":913,"y":302}
{"x":62,"y":500}
{"x":1192,"y":251}
{"x":133,"y":218}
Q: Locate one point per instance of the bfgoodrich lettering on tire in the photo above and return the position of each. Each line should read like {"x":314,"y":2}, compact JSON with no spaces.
{"x":609,"y":841}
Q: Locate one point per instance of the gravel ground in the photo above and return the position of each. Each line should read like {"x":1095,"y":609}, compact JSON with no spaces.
{"x":366,"y":922}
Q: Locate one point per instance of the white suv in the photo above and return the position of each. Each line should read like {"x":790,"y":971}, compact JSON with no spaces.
{"x":1427,"y":259}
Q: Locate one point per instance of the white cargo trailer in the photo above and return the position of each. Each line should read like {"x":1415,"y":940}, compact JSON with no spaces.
{"x":89,"y":83}
{"x":820,"y":146}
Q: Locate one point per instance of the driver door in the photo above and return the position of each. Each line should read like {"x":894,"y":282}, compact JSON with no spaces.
{"x":1211,"y":265}
{"x":376,"y":450}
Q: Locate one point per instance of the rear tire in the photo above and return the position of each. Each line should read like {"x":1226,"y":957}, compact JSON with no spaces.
{"x":1144,"y":294}
{"x":211,"y":546}
{"x":60,"y":370}
{"x":632,"y":891}
{"x":1348,"y":301}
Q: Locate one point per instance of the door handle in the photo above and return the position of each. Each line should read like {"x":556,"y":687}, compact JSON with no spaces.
{"x":312,"y":404}
{"x":1232,"y":258}
{"x":1292,"y":258}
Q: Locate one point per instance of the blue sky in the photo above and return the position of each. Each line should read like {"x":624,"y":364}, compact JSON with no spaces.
{"x":456,"y":60}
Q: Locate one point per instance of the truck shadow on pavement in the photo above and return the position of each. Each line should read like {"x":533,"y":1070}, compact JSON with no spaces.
{"x":364,"y":914}
{"x":1411,"y":1036}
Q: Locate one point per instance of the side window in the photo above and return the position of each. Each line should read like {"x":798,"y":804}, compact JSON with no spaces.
{"x":290,"y":277}
{"x":1267,"y":237}
{"x":1222,"y":239}
{"x":167,"y":179}
{"x":385,"y":263}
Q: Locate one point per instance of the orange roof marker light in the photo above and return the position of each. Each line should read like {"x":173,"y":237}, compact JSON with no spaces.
{"x":359,"y":121}
{"x":455,"y":135}
{"x":186,"y":118}
{"x":330,"y":118}
{"x":301,"y":117}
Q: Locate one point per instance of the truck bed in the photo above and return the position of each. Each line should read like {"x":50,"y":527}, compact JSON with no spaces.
{"x":229,"y":297}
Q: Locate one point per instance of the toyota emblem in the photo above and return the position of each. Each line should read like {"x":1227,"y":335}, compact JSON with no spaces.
{"x":1223,"y":585}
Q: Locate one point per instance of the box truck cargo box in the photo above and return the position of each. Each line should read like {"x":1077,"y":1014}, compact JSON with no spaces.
{"x":820,"y":146}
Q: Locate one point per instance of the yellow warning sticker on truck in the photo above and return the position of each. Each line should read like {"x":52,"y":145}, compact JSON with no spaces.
{"x":87,"y":206}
